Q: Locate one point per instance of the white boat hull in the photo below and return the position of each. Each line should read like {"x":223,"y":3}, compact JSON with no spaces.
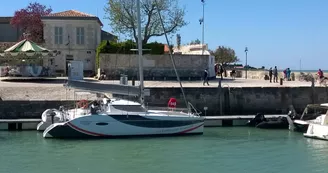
{"x":111,"y":126}
{"x":317,"y":131}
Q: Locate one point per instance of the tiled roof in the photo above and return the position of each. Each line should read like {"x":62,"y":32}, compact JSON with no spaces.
{"x":71,"y":13}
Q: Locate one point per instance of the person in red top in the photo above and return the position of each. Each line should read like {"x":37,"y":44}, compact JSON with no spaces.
{"x":320,"y":74}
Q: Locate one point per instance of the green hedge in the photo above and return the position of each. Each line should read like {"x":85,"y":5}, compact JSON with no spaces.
{"x":125,"y":48}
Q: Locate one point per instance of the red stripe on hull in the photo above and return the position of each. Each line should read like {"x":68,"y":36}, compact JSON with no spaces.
{"x":87,"y":132}
{"x":191,"y":129}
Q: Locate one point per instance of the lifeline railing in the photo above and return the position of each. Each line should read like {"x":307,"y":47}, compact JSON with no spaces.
{"x":189,"y":110}
{"x":190,"y":106}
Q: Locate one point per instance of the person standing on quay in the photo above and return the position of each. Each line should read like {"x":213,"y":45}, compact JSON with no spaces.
{"x":275,"y":75}
{"x":288,"y":74}
{"x":221,"y":71}
{"x":270,"y":74}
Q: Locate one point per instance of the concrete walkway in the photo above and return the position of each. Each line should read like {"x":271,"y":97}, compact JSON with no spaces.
{"x":54,"y":90}
{"x":225,"y":83}
{"x":169,"y":84}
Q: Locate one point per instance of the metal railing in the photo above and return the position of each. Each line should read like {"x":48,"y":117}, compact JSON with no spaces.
{"x":191,"y":107}
{"x":191,"y":110}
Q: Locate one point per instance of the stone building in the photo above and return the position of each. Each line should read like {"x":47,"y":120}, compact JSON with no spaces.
{"x":75,"y":36}
{"x":192,"y":49}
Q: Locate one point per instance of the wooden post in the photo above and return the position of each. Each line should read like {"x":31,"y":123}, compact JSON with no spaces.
{"x":19,"y":126}
{"x":281,"y":81}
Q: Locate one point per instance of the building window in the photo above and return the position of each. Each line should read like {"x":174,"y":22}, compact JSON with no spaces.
{"x":58,"y":35}
{"x":80,"y":35}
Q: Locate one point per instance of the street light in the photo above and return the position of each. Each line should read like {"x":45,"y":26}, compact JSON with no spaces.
{"x":201,"y":21}
{"x":246,"y":67}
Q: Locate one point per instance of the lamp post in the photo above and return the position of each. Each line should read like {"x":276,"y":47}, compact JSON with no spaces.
{"x":246,"y":66}
{"x":201,"y":21}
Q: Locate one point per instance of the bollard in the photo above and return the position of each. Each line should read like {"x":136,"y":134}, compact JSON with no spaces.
{"x":312,"y":83}
{"x":220,"y":84}
{"x":281,"y":81}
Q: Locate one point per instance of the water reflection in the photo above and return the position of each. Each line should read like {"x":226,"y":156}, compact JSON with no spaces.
{"x":317,"y":144}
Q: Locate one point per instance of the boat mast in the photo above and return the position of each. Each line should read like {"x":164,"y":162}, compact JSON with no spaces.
{"x":140,"y":56}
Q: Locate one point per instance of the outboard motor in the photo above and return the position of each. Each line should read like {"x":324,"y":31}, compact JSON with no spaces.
{"x":52,"y":115}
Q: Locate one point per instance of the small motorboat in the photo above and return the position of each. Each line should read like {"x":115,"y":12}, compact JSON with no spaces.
{"x":318,"y":129}
{"x":311,"y":114}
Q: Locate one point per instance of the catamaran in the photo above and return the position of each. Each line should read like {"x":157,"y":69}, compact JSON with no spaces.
{"x":112,"y":117}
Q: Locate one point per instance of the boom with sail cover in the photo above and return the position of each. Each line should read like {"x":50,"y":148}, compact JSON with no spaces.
{"x":104,"y":88}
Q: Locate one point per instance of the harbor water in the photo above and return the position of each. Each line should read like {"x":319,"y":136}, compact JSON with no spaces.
{"x":229,"y":150}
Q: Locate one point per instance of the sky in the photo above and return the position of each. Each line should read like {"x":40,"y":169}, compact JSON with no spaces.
{"x":283,"y":33}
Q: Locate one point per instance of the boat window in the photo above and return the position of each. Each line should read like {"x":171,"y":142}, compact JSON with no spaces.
{"x":101,"y":124}
{"x":313,"y":112}
{"x":130,"y":108}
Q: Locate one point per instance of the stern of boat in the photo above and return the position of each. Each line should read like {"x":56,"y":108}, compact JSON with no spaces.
{"x":42,"y":126}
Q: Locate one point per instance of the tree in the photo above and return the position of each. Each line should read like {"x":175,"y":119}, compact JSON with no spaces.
{"x":122,"y":15}
{"x":197,"y":41}
{"x":29,"y":20}
{"x":225,"y":55}
{"x":178,"y":41}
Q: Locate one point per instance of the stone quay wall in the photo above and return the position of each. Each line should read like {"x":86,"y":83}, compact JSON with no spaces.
{"x":156,"y":67}
{"x":242,"y":101}
{"x":235,"y":101}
